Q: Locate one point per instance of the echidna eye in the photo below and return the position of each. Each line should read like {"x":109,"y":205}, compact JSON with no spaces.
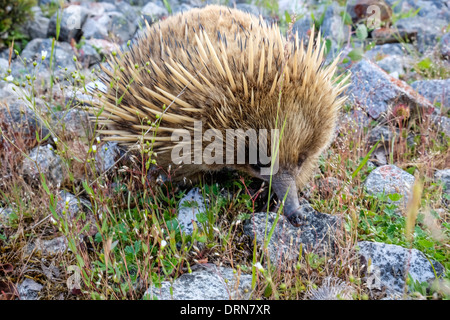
{"x":301,"y":159}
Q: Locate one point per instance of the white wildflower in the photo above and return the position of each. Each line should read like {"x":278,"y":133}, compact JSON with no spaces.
{"x":259,"y":267}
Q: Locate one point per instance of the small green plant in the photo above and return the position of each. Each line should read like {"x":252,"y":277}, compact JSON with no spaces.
{"x":319,"y":21}
{"x":425,"y":290}
{"x":270,"y":5}
{"x":82,"y":42}
{"x":50,"y":8}
{"x":431,"y":68}
{"x":167,"y":5}
{"x":13,"y":13}
{"x":402,"y":15}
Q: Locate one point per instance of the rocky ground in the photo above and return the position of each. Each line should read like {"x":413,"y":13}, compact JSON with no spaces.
{"x":71,"y":205}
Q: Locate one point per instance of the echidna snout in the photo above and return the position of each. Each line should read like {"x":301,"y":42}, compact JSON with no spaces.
{"x":284,"y":185}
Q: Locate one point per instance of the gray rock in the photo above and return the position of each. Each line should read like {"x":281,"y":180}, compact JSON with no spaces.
{"x":380,"y":156}
{"x":51,"y":271}
{"x":8,"y":93}
{"x":390,"y":179}
{"x":250,"y":8}
{"x":38,"y":26}
{"x":444,"y":177}
{"x":442,"y":124}
{"x":131,"y":2}
{"x":96,"y":27}
{"x":427,"y":32}
{"x":206,"y":282}
{"x":29,"y":289}
{"x":4,"y":54}
{"x":98,"y":8}
{"x":47,"y":2}
{"x":63,"y":55}
{"x":106,"y":156}
{"x":302,"y":26}
{"x":297,"y":7}
{"x":77,"y":210}
{"x":431,"y":9}
{"x":20,"y":71}
{"x":3,"y":67}
{"x":4,"y":215}
{"x":49,"y":164}
{"x":333,"y":27}
{"x":395,"y":75}
{"x":19,"y":120}
{"x":72,"y":21}
{"x":50,"y":247}
{"x":434,"y":90}
{"x":77,"y":98}
{"x":391,"y":263}
{"x":356,"y":119}
{"x":104,"y":46}
{"x":381,"y":51}
{"x":201,"y":3}
{"x":110,"y":23}
{"x":377,"y":92}
{"x":67,"y":205}
{"x":445,"y":46}
{"x":382,"y":133}
{"x":73,"y":123}
{"x":154,"y":12}
{"x":394,"y":64}
{"x":121,"y":27}
{"x":89,"y":56}
{"x":316,"y":235}
{"x":190,"y":206}
{"x":130,"y":12}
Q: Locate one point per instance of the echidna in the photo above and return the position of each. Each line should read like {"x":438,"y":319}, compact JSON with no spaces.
{"x":229,"y":70}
